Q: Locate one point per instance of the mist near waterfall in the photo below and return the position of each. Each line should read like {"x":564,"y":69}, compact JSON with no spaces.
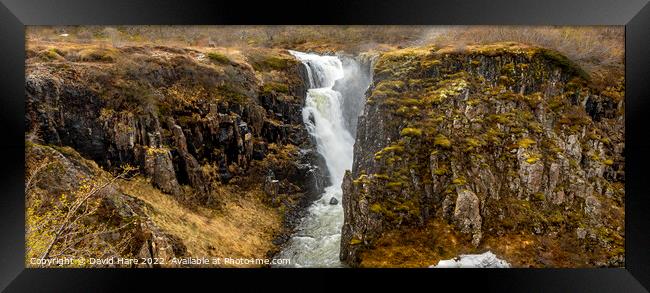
{"x":357,"y":75}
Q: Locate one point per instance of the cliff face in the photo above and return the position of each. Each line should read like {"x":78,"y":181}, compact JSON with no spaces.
{"x":500,"y":147}
{"x":192,"y":121}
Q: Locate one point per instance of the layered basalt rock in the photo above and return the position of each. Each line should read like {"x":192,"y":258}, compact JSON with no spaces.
{"x":498,"y":141}
{"x":188,"y":119}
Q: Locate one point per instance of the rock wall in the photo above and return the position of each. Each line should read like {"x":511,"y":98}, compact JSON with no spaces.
{"x":496,"y":140}
{"x":187,"y":119}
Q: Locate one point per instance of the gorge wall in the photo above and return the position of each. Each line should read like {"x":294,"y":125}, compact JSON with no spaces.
{"x":500,"y":147}
{"x":505,"y":148}
{"x":193,"y":122}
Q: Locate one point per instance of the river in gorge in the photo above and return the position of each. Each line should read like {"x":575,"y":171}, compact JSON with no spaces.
{"x":316,"y":241}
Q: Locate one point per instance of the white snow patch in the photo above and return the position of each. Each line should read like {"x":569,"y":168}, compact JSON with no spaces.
{"x":484,"y":260}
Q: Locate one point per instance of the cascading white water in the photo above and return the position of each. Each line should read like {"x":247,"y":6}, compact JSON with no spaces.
{"x":317,"y":240}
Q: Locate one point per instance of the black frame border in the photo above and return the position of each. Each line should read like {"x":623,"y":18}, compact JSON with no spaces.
{"x":634,"y":14}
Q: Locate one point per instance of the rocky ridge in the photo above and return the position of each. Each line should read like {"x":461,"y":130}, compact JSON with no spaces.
{"x":494,"y":145}
{"x":190,"y":120}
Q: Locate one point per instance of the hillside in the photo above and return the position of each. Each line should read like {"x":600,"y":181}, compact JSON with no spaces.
{"x":209,"y":129}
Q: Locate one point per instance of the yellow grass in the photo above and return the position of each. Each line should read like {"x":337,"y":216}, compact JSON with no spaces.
{"x":415,"y":247}
{"x":243,"y":229}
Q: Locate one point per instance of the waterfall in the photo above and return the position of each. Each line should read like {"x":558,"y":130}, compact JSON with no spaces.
{"x":316,"y":242}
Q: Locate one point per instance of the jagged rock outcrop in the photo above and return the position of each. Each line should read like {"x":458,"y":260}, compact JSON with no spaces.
{"x":159,"y":166}
{"x":467,"y":215}
{"x":182,"y":117}
{"x":505,"y":142}
{"x":194,"y":172}
{"x":188,"y":119}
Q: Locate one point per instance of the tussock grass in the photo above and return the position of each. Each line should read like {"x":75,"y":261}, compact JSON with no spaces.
{"x":218,"y":58}
{"x":243,"y":229}
{"x":415,"y":247}
{"x":599,"y":50}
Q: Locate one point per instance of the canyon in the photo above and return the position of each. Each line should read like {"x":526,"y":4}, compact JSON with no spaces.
{"x":396,"y":158}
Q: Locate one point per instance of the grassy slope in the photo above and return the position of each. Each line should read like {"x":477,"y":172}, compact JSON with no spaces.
{"x":245,"y":226}
{"x":244,"y":229}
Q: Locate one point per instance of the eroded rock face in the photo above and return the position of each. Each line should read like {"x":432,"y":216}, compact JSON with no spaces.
{"x":194,"y":171}
{"x":499,"y":141}
{"x":159,"y":166}
{"x":467,"y":215}
{"x":197,"y":133}
{"x":358,"y":74}
{"x":188,"y":123}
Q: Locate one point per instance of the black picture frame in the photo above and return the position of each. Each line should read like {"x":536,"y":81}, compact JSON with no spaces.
{"x":634,"y":15}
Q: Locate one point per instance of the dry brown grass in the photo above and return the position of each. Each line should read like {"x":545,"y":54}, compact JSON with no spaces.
{"x":599,"y":50}
{"x":603,"y":44}
{"x":231,"y":36}
{"x":415,"y":247}
{"x":243,"y":229}
{"x":424,"y":246}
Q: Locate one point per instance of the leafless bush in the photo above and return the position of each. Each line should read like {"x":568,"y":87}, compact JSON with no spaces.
{"x":85,"y":36}
{"x":113,"y":36}
{"x":65,"y":226}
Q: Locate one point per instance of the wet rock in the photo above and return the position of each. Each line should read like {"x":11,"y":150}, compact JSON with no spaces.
{"x":349,"y":231}
{"x":353,"y":84}
{"x":334,"y":201}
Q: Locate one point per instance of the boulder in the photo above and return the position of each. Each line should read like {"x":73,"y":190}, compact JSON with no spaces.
{"x":467,"y":216}
{"x":159,"y":166}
